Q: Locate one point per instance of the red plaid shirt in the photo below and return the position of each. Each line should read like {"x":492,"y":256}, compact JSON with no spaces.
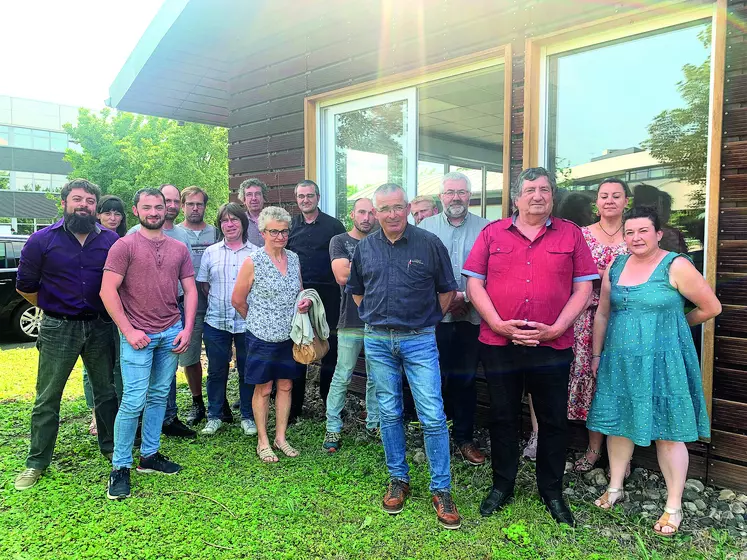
{"x":530,"y":280}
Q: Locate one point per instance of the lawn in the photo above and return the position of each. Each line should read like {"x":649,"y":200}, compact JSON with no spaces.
{"x":226,"y":504}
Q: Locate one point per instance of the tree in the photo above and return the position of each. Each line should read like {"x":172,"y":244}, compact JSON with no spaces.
{"x":122,"y":152}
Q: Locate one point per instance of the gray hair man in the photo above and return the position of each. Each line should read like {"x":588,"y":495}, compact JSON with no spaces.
{"x":457,"y":333}
{"x":253,"y":195}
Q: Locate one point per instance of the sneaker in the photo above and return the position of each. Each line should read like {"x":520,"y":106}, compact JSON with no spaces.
{"x":27,"y":478}
{"x":446,"y":510}
{"x":157,"y":463}
{"x":226,"y":414}
{"x":196,"y":414}
{"x":176,"y":428}
{"x":530,"y":451}
{"x":396,"y":493}
{"x":212,"y":426}
{"x":249,"y":427}
{"x":332,"y":442}
{"x":119,"y":484}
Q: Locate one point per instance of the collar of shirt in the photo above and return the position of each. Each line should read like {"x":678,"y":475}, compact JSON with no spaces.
{"x":506,"y":225}
{"x":245,"y":245}
{"x":61,"y":224}
{"x":405,"y":235}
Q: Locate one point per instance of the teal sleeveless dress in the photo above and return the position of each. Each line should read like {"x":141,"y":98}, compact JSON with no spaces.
{"x":648,"y":384}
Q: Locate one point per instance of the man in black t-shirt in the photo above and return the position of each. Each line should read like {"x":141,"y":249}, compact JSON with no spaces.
{"x":310,"y":234}
{"x":349,"y":328}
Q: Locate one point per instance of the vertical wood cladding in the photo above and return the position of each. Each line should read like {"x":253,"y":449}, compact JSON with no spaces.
{"x":330,"y":45}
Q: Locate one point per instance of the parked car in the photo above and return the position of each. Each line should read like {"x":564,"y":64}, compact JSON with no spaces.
{"x":22,"y":317}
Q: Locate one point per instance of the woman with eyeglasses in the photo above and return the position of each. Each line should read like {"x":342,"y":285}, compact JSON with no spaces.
{"x":265,"y":294}
{"x":110,"y":214}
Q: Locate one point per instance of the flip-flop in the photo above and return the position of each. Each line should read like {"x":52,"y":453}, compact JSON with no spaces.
{"x":267,"y":455}
{"x":286,"y":448}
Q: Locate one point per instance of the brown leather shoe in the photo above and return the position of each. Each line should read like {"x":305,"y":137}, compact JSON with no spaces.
{"x":446,"y":510}
{"x":396,"y":493}
{"x":472,"y":454}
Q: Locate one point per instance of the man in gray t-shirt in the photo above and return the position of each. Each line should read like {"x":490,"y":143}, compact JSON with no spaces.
{"x":349,"y":328}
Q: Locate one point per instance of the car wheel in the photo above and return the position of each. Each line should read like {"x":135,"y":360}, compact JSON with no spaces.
{"x":26,"y":321}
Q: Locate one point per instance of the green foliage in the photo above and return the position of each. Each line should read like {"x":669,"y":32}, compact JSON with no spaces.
{"x":123,"y":152}
{"x":228,"y":505}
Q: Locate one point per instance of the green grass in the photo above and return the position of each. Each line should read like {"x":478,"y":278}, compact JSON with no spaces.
{"x":226,"y":504}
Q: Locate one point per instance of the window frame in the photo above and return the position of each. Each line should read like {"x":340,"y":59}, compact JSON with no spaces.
{"x":313,"y":105}
{"x":539,"y":49}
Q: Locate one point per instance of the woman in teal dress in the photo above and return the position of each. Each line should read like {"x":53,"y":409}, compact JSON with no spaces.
{"x":648,"y":377}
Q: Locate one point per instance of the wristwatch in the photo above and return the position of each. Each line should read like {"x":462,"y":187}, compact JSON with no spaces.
{"x":464,"y":293}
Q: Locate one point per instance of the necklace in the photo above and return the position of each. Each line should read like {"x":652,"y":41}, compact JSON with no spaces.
{"x":610,"y":235}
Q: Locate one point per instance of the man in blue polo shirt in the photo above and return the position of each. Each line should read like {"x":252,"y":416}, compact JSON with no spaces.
{"x":402,"y":282}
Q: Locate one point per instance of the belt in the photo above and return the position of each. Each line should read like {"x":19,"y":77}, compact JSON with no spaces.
{"x":79,"y":317}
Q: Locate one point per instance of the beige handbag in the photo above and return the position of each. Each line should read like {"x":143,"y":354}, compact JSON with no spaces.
{"x":308,"y":353}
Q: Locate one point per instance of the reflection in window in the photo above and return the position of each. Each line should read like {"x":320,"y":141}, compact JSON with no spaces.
{"x":651,"y":130}
{"x":4,"y":136}
{"x":4,"y":180}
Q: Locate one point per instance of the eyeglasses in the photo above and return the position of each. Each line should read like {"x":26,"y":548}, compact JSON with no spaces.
{"x":112,"y":214}
{"x":460,"y":193}
{"x":397,"y":209}
{"x":275,"y":232}
{"x":194,"y":204}
{"x":253,"y":195}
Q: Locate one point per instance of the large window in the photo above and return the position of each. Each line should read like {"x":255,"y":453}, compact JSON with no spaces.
{"x":38,"y":182}
{"x":635,"y":108}
{"x":412,"y":135}
{"x":46,"y":140}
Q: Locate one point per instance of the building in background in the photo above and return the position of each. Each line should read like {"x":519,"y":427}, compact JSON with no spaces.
{"x":32,"y":147}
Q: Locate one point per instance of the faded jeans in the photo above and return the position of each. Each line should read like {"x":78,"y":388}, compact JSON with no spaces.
{"x":146,"y":376}
{"x":218,"y":346}
{"x":389,"y":352}
{"x":349,"y":346}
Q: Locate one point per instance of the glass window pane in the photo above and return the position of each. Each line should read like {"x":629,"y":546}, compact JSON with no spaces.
{"x":40,"y":142}
{"x":21,"y":138}
{"x":430,"y":174}
{"x":653,"y":131}
{"x":475,"y":179}
{"x":25,"y":226}
{"x":369,"y":150}
{"x":4,"y":180}
{"x":4,"y":135}
{"x":59,"y":142}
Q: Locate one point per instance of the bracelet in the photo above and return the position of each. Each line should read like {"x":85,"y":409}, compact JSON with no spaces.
{"x":596,"y":355}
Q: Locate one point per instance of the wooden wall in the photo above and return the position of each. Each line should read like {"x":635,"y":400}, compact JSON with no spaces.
{"x":336,"y":44}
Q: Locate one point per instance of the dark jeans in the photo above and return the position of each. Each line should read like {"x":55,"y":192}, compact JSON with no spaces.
{"x":544,"y":372}
{"x":60,"y":343}
{"x":330,"y":296}
{"x":218,"y":345}
{"x":459,"y":353}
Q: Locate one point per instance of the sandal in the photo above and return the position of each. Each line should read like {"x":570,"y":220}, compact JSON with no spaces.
{"x":664,"y":522}
{"x":267,"y":455}
{"x":604,"y":500}
{"x":286,"y":448}
{"x":583,"y":465}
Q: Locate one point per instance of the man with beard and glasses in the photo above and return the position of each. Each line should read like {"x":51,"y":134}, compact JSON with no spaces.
{"x":200,"y":235}
{"x":310,"y":234}
{"x":349,"y":329}
{"x":172,"y":426}
{"x":457,"y":333}
{"x":60,"y":272}
{"x":139,"y":289}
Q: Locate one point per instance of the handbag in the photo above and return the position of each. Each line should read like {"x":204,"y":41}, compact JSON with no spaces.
{"x":313,"y":352}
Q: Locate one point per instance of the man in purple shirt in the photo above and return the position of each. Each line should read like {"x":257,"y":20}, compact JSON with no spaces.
{"x":60,"y":272}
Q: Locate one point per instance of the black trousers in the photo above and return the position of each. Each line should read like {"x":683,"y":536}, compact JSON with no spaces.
{"x":544,"y":372}
{"x":458,"y":355}
{"x":330,"y":295}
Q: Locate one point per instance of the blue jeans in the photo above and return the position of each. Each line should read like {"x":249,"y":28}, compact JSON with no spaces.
{"x":349,"y":346}
{"x":146,"y":375}
{"x":389,"y":352}
{"x":218,"y":345}
{"x":171,"y":410}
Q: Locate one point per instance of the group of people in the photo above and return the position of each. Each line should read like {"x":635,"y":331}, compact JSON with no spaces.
{"x":590,"y":321}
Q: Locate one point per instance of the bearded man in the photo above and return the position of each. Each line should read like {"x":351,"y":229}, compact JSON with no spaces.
{"x":457,"y":333}
{"x":60,"y":272}
{"x":140,"y":291}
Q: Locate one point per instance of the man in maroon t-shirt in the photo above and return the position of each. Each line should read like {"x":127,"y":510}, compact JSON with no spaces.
{"x":529,"y":276}
{"x":139,"y":289}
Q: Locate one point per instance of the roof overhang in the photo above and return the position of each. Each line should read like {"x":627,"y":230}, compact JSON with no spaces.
{"x":179,"y":68}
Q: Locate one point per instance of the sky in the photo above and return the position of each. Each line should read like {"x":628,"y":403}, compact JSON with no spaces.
{"x":68,"y":51}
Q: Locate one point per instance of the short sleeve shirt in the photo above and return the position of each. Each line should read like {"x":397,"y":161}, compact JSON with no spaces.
{"x":151,"y":273}
{"x":530,"y":280}
{"x":400,"y":281}
{"x":343,"y":247}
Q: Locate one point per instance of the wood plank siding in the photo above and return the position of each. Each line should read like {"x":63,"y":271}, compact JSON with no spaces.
{"x":329,"y":45}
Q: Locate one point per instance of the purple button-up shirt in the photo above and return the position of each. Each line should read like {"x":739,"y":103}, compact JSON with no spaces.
{"x":66,"y":274}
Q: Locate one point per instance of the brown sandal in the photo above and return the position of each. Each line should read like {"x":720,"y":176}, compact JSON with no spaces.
{"x":583,"y":465}
{"x":664,"y":522}
{"x":604,"y":499}
{"x":267,"y":455}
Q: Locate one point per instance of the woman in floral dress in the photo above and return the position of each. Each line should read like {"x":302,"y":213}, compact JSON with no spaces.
{"x":605,"y":239}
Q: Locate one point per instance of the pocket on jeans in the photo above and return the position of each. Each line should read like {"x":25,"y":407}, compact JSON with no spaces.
{"x":50,"y":323}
